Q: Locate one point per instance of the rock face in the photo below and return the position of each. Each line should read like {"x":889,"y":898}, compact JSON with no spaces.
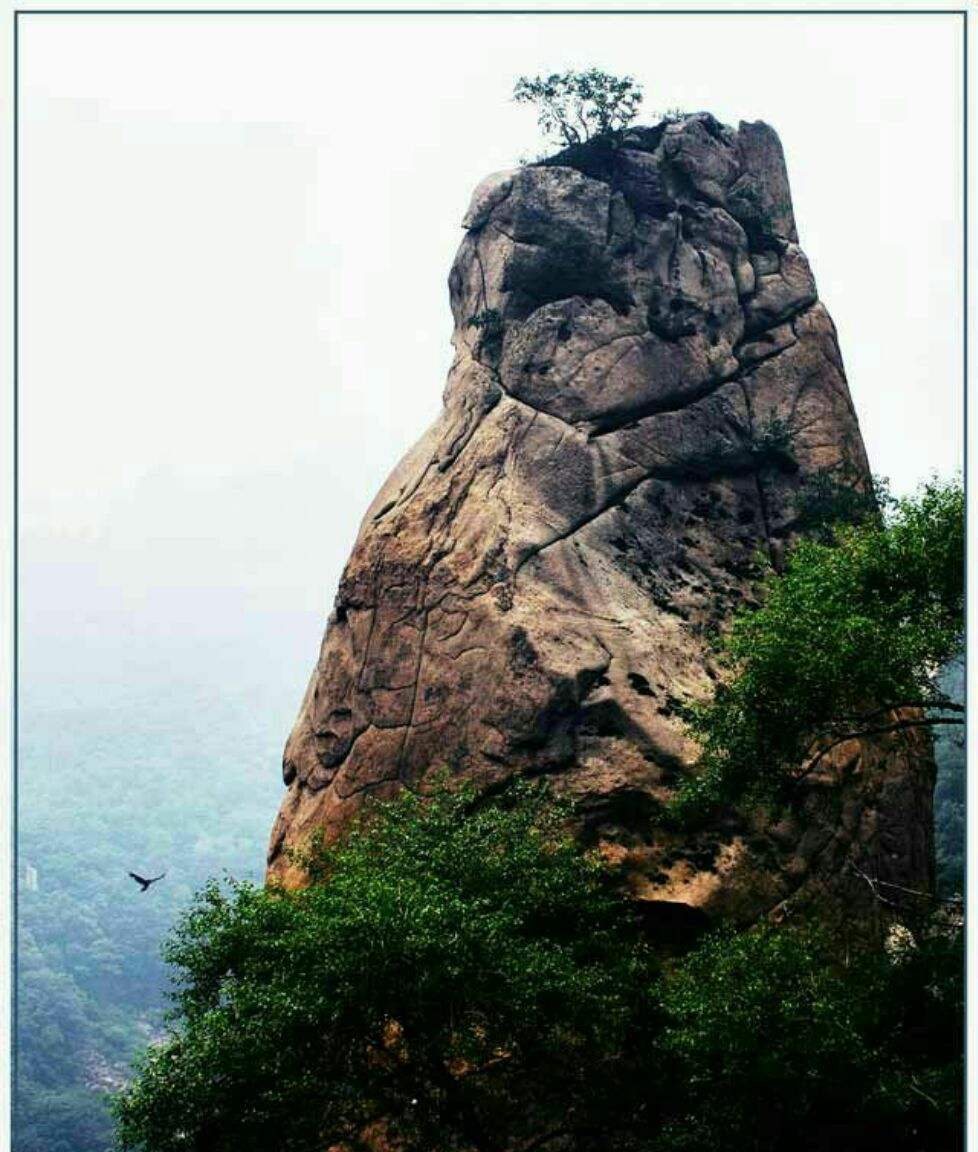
{"x":644,"y":382}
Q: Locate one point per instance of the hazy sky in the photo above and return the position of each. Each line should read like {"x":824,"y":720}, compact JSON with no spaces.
{"x":237,"y":231}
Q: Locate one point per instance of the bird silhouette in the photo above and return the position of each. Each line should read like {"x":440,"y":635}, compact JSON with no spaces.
{"x":143,"y":882}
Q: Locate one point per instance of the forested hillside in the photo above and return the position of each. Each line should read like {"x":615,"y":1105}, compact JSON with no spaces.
{"x":163,"y":761}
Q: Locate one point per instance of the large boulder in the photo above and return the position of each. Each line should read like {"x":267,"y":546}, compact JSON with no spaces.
{"x":644,"y":382}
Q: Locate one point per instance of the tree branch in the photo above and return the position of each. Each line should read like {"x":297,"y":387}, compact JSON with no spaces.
{"x":875,"y":884}
{"x":880,"y":730}
{"x":872,"y":885}
{"x":832,"y":729}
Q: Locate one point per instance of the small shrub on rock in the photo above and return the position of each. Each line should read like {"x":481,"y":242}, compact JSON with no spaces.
{"x":574,"y":107}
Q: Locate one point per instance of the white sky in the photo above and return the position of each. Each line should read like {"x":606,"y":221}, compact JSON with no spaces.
{"x":236,"y":235}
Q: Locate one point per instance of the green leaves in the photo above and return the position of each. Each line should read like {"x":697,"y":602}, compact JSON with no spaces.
{"x":768,"y":1037}
{"x":454,"y":967}
{"x":854,"y":627}
{"x":575,"y":107}
{"x":762,"y":1007}
{"x":458,"y":977}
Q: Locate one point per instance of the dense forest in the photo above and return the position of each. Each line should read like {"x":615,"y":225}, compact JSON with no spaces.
{"x":161,"y":761}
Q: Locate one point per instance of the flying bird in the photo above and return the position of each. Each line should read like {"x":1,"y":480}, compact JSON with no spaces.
{"x":143,"y":882}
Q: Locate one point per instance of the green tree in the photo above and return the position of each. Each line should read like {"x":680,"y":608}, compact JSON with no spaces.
{"x":455,"y":972}
{"x":845,"y":643}
{"x":770,"y":1044}
{"x":831,"y":497}
{"x":574,"y":107}
{"x":761,"y":1035}
{"x":457,"y":976}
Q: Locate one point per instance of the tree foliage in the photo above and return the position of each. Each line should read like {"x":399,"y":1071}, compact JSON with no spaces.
{"x":846,"y":642}
{"x":459,"y":975}
{"x":574,"y":107}
{"x":770,"y":1043}
{"x":831,"y":497}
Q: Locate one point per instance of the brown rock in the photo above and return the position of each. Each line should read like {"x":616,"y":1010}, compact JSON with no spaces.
{"x":643,"y":381}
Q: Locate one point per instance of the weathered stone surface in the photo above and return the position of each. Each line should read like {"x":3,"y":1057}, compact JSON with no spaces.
{"x":644,"y":379}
